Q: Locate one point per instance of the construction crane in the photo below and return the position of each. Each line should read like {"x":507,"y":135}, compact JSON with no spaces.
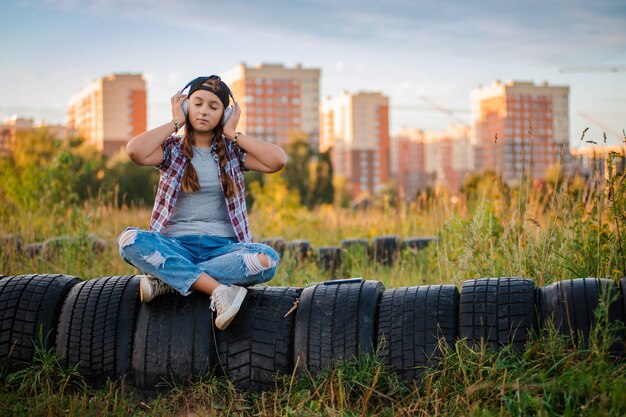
{"x":593,"y":69}
{"x":435,"y":107}
{"x":600,"y":125}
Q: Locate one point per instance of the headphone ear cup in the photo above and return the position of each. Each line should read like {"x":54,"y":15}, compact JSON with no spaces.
{"x":186,"y":107}
{"x":227,"y":112}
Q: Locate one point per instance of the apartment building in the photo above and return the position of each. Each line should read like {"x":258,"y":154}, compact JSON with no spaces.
{"x":14,"y":124}
{"x":521,"y":128}
{"x":109,"y":111}
{"x":433,"y":158}
{"x":594,"y":161}
{"x":277,"y":101}
{"x":356,"y":126}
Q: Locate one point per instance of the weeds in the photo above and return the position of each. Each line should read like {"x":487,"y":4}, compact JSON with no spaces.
{"x":564,"y":227}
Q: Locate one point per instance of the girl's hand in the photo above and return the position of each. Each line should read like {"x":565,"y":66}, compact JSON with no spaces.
{"x":177,"y":108}
{"x":230,"y":128}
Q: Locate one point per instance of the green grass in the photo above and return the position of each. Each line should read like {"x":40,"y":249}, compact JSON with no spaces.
{"x":554,"y":376}
{"x":566,"y":228}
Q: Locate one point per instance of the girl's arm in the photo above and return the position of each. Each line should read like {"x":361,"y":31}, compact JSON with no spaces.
{"x":145,"y":149}
{"x":262,"y":156}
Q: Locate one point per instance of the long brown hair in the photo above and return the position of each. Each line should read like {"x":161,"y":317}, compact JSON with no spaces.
{"x":190,"y":176}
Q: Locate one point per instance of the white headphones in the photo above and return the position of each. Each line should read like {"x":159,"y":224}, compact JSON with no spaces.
{"x":227,"y":111}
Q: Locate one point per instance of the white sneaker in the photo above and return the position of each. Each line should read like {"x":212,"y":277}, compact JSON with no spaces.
{"x":150,"y":287}
{"x":226,"y":300}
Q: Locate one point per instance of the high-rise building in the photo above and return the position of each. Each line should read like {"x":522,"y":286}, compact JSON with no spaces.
{"x":356,"y":126}
{"x":594,"y":161}
{"x":14,"y":124}
{"x":277,"y":101}
{"x":520,"y":123}
{"x":410,"y":161}
{"x":433,"y":158}
{"x":110,"y":111}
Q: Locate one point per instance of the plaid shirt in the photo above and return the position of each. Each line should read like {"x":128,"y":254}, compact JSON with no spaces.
{"x":170,"y":183}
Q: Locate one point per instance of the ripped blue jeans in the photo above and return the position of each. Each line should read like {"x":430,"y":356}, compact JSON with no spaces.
{"x":180,"y":260}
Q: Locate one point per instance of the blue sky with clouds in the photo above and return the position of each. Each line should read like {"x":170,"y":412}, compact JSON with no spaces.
{"x":408,"y":49}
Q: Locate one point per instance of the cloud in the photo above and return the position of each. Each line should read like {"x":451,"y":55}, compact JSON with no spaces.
{"x":406,"y":47}
{"x":532,"y":31}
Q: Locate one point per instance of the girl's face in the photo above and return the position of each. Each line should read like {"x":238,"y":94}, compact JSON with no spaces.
{"x":205,"y":110}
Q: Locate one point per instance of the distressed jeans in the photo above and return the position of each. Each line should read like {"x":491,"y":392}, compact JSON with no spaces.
{"x":179,"y":261}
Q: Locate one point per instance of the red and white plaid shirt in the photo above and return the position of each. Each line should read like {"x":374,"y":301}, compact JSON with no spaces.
{"x":170,"y":183}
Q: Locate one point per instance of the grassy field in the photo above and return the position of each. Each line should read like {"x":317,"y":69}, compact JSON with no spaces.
{"x":566,"y":228}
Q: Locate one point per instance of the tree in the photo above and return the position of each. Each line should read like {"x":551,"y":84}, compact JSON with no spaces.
{"x":321,"y":183}
{"x":309,"y":172}
{"x":296,"y":171}
{"x":129,"y":183}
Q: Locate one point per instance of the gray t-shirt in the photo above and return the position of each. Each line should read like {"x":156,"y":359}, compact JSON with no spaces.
{"x":203,"y":212}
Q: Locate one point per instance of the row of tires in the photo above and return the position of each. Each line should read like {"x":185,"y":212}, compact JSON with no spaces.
{"x":383,"y":249}
{"x":99,"y":325}
{"x":52,"y":246}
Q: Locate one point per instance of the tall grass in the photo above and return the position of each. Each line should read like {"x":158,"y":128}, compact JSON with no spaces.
{"x":554,"y":376}
{"x":566,"y":227}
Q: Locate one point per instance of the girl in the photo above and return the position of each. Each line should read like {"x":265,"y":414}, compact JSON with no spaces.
{"x":199,"y":237}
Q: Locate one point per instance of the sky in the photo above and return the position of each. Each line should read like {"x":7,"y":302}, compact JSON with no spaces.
{"x":417,"y":52}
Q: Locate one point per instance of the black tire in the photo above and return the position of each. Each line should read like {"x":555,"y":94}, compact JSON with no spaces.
{"x":301,"y":250}
{"x":415,"y":244}
{"x":570,"y":305}
{"x":386,"y":249}
{"x":355,"y":254}
{"x":411,"y":323}
{"x":498,"y":312}
{"x":96,"y":327}
{"x":358,"y":246}
{"x":258,"y":344}
{"x":56,"y":245}
{"x":174,"y":341}
{"x":10,"y":244}
{"x":29,"y":307}
{"x":329,"y":259}
{"x":278,"y":244}
{"x":336,"y":320}
{"x":623,"y":287}
{"x":32,"y":250}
